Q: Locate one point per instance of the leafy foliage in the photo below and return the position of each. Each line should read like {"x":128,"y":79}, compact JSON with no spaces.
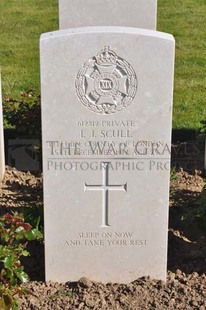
{"x":203,"y":127}
{"x":24,"y":114}
{"x":34,"y":216}
{"x":173,"y":177}
{"x":14,"y":236}
{"x":201,"y":210}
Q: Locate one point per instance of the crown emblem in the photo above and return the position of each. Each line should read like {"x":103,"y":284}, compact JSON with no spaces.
{"x":106,"y":57}
{"x":106,"y":83}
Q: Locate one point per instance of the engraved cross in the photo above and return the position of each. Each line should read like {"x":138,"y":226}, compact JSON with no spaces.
{"x":105,"y":187}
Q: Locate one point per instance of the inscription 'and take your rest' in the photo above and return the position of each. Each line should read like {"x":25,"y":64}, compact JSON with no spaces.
{"x":105,"y":238}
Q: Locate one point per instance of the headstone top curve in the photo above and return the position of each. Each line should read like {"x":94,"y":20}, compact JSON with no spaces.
{"x":107,"y":29}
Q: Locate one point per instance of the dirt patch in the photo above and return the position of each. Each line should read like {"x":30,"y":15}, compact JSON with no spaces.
{"x":186,"y":282}
{"x":21,"y":189}
{"x":181,"y":292}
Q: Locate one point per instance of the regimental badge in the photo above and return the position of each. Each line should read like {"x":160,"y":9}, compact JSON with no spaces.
{"x":106,"y":83}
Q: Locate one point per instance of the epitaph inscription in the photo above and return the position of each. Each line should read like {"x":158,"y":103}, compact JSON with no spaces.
{"x":107,"y":239}
{"x":106,"y":83}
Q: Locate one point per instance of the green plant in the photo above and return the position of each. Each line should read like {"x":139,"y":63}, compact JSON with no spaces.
{"x":24,"y":114}
{"x":201,"y":209}
{"x":202,"y":135}
{"x":14,"y":236}
{"x":34,"y":216}
{"x":63,"y":292}
{"x":173,"y":177}
{"x":203,"y":127}
{"x":199,"y":212}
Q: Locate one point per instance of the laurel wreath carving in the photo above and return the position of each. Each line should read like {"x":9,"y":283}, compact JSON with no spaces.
{"x":90,"y":100}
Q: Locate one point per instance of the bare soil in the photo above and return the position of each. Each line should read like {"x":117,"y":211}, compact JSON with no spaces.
{"x":185,"y":288}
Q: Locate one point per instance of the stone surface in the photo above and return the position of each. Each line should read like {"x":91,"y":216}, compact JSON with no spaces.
{"x":2,"y":155}
{"x":106,"y":117}
{"x":23,"y":154}
{"x":87,"y":13}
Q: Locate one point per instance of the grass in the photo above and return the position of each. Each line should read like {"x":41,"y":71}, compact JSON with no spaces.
{"x":22,"y":22}
{"x":185,"y":19}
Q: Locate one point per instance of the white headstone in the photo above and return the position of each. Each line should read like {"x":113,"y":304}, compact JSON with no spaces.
{"x":87,"y":13}
{"x":2,"y":155}
{"x":106,"y":117}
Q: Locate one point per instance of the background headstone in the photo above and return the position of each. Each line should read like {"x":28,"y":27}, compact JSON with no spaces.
{"x":2,"y":155}
{"x":106,"y":124}
{"x":87,"y":13}
{"x":23,"y":154}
